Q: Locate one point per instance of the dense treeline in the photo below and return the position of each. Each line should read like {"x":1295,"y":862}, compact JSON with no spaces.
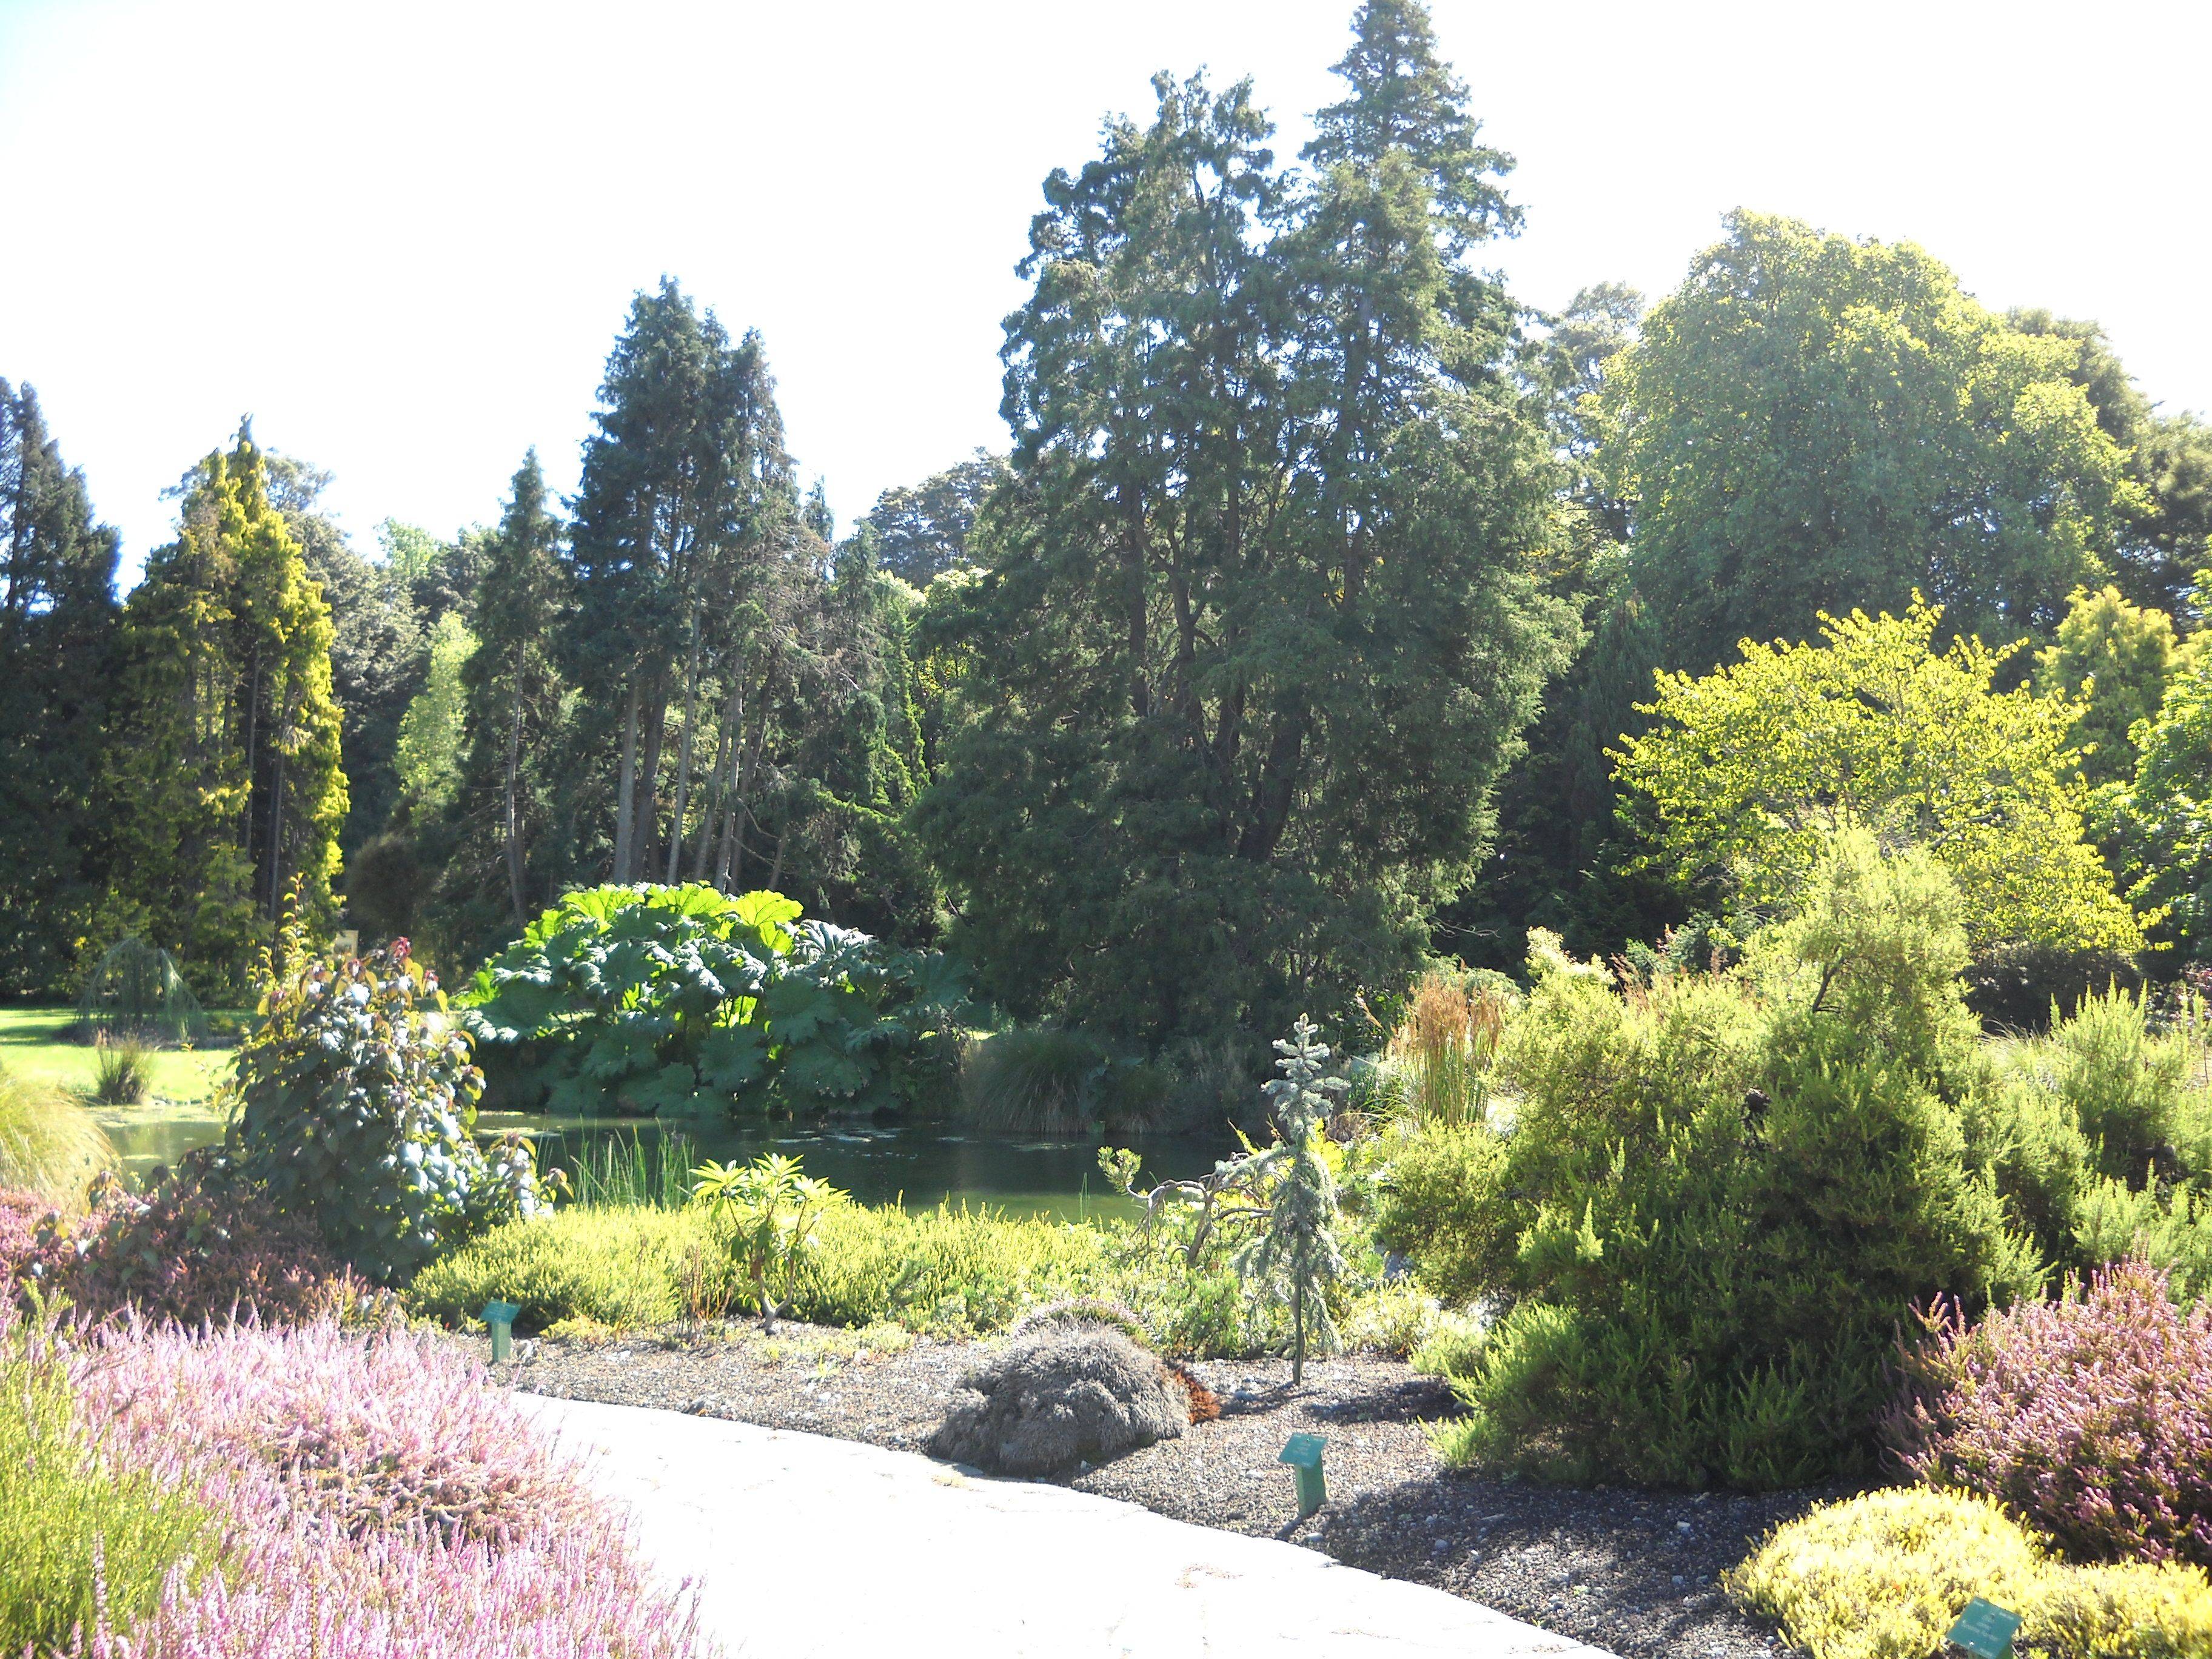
{"x":1330,"y":609}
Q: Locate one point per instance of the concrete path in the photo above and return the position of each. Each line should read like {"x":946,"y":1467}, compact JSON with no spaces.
{"x":806,"y":1547}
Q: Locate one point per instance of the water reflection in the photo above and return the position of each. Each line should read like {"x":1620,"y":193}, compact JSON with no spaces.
{"x":919,"y":1166}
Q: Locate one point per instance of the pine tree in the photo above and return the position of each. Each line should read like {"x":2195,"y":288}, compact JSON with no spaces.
{"x":224,"y":782}
{"x":58,"y":625}
{"x":1299,"y":1251}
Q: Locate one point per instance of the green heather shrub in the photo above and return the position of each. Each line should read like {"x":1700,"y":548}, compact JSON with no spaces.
{"x":50,"y":1145}
{"x":1394,"y":1319}
{"x":1721,"y":1196}
{"x":66,"y":1508}
{"x":618,"y":1268}
{"x":1884,"y":1575}
{"x":357,"y":1105}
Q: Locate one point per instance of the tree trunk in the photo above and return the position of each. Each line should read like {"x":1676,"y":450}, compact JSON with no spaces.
{"x":684,"y":753}
{"x":656,"y":732}
{"x":514,"y":775}
{"x":625,"y":791}
{"x":725,"y":744}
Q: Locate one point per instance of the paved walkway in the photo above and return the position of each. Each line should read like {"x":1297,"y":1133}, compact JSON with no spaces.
{"x":806,"y":1547}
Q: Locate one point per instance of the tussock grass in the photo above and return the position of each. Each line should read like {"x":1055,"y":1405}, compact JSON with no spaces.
{"x":51,"y":1145}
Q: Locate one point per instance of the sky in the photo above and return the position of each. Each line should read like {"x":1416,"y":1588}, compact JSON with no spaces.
{"x":402,"y":237}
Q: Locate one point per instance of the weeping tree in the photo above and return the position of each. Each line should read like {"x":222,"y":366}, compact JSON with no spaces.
{"x":135,"y":993}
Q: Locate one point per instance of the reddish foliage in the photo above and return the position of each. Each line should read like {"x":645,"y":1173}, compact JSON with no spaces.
{"x":1205,"y":1404}
{"x":194,"y":1250}
{"x":2090,"y":1416}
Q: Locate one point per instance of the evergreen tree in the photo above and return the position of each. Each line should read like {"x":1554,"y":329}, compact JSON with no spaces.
{"x":224,"y":786}
{"x":923,"y":531}
{"x":685,"y":485}
{"x":498,"y":869}
{"x":1259,"y":624}
{"x":57,"y":624}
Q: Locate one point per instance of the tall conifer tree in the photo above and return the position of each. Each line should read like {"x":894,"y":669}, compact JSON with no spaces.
{"x":225,"y":781}
{"x":57,"y":618}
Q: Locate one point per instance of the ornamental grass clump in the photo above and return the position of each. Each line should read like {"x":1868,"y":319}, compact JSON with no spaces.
{"x":51,"y":1145}
{"x":2091,"y":1416}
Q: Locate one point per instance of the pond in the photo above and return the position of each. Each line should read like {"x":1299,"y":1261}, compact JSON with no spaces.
{"x":918,"y":1166}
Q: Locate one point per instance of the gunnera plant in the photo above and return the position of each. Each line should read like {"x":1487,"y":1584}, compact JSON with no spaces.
{"x":1063,"y":1396}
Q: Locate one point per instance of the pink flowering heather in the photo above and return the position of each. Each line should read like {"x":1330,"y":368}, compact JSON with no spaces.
{"x":383,"y":1501}
{"x":2090,"y":1416}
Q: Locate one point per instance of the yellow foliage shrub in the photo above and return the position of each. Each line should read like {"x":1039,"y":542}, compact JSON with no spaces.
{"x":1882,"y":1576}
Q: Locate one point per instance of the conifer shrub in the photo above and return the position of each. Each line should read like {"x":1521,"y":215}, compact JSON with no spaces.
{"x":1720,"y":1196}
{"x":2091,"y":1416}
{"x":1060,"y":1396}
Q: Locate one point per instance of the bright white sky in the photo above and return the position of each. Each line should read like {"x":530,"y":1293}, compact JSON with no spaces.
{"x":402,"y":235}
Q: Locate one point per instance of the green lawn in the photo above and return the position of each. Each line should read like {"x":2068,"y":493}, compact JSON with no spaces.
{"x":33,"y":1049}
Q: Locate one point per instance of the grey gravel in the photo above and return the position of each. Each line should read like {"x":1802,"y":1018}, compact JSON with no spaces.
{"x":1637,"y":1572}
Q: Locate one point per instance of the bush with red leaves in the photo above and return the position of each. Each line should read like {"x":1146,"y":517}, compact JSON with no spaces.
{"x":2090,"y":1417}
{"x":195,"y":1250}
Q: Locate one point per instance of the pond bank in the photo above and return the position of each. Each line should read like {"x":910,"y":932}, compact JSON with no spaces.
{"x":1634,"y":1573}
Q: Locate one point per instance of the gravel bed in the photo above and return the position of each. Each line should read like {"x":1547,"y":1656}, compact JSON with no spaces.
{"x":1632,"y":1571}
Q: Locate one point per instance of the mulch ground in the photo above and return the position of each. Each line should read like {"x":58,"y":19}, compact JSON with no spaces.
{"x":1634,"y":1572}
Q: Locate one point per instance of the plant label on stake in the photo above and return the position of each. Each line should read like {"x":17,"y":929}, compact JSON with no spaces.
{"x":1985,"y":1629}
{"x":1303,"y":1453}
{"x":501,"y":1316}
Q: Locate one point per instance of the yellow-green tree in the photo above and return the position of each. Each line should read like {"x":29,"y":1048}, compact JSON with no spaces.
{"x":225,"y":784}
{"x":1751,"y":769}
{"x":2117,"y":659}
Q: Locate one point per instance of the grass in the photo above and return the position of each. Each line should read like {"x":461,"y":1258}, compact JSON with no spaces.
{"x":944,"y":1272}
{"x":34,"y":1046}
{"x":49,"y":1144}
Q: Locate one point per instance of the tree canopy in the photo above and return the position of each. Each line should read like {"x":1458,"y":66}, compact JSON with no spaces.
{"x":1752,"y":768}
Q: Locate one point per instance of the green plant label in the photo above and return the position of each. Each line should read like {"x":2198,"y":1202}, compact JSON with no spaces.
{"x":1303,"y":1450}
{"x":501,"y":1313}
{"x":1986,"y":1629}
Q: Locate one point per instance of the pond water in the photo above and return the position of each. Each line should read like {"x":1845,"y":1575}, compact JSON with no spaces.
{"x":918,"y":1166}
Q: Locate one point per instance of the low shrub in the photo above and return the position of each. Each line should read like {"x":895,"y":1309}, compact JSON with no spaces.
{"x":1060,"y":1397}
{"x":376,"y":1434}
{"x":617,"y":1267}
{"x":357,"y":1103}
{"x":51,"y":1146}
{"x":2091,"y":1416}
{"x":378,"y":1499}
{"x":1884,"y":1575}
{"x":2127,"y":1612}
{"x":1453,"y":1347}
{"x":80,"y":1525}
{"x":1393,"y":1319}
{"x":1720,"y":1196}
